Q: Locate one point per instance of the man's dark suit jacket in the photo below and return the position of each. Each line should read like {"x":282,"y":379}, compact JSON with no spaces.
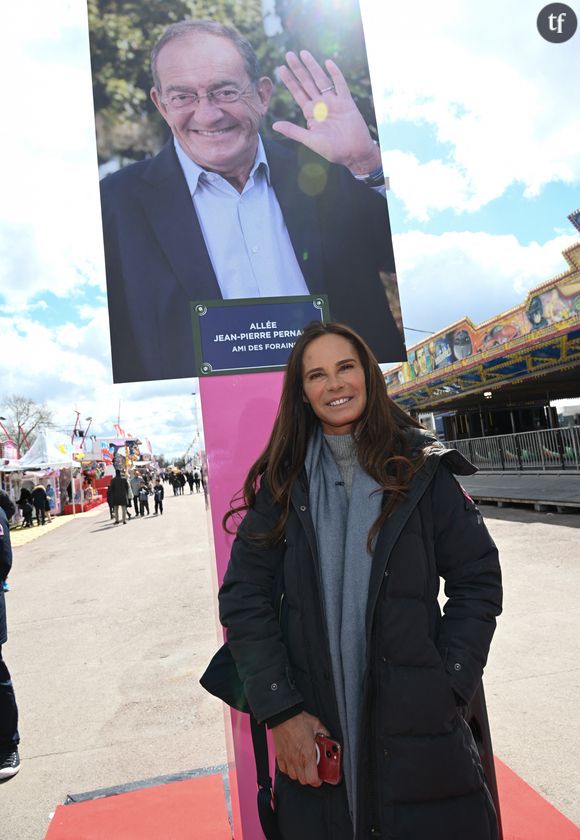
{"x":157,"y":261}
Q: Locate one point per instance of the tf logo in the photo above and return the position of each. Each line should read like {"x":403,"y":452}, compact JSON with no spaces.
{"x":557,"y":23}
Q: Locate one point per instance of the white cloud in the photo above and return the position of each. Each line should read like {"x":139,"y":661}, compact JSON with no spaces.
{"x":68,"y":368}
{"x":444,"y":278}
{"x":41,"y":21}
{"x":39,"y":256}
{"x":425,"y":187}
{"x":43,"y":362}
{"x":168,"y":423}
{"x":21,"y":309}
{"x":86,"y":313}
{"x":162,"y":389}
{"x":477,"y":76}
{"x":503,"y":100}
{"x":50,"y":234}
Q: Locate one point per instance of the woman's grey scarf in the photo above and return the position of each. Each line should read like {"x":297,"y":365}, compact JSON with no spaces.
{"x":342,"y":529}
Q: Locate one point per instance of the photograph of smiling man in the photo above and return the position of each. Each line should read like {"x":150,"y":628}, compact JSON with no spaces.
{"x":225,"y":211}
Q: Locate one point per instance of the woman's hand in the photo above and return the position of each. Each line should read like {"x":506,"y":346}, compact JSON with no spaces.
{"x":294,"y":741}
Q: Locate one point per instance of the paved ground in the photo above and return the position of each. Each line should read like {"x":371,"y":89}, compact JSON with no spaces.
{"x":110,"y":627}
{"x":533,"y":676}
{"x":23,"y":536}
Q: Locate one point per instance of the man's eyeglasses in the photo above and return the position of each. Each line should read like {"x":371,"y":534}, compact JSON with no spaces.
{"x":220,"y":96}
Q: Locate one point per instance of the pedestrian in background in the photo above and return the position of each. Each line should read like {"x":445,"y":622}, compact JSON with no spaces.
{"x":129,"y":496}
{"x":144,"y":493}
{"x":135,"y":483}
{"x":189,"y":477}
{"x":25,"y":496}
{"x":39,"y":502}
{"x":110,"y":501}
{"x":27,"y":511}
{"x":119,"y":492}
{"x":159,"y":494}
{"x":49,"y":501}
{"x":9,"y":738}
{"x":24,"y":502}
{"x":197,"y":480}
{"x":9,"y":509}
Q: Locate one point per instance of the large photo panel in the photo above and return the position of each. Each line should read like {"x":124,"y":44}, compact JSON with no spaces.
{"x":238,"y":159}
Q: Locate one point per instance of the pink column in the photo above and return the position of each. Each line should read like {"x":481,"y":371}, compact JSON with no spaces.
{"x":238,"y":415}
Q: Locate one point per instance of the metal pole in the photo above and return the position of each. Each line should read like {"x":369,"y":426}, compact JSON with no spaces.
{"x":501,"y":453}
{"x":72,"y":437}
{"x":519,"y":452}
{"x":560,"y":445}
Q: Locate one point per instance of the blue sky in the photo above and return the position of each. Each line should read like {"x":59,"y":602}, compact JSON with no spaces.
{"x":479,"y":124}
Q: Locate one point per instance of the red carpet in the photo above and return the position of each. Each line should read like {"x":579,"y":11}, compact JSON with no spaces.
{"x":196,"y":810}
{"x":525,"y":814}
{"x":191,"y":810}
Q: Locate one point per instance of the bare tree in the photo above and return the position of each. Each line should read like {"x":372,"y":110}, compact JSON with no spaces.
{"x":23,"y":418}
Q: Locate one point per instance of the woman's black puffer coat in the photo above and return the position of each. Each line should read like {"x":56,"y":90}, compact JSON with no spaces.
{"x":419,"y":773}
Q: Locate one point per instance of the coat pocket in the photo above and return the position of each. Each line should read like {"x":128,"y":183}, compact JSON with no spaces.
{"x":419,"y":768}
{"x":416,"y":700}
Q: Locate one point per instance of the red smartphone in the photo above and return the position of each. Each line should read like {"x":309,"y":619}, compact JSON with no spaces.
{"x":329,"y":760}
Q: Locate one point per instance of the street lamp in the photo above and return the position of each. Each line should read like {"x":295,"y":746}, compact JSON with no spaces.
{"x":195,"y":419}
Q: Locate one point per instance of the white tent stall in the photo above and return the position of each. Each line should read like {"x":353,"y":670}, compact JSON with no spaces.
{"x":50,"y":458}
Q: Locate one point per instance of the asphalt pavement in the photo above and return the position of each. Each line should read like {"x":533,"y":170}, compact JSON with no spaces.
{"x":111,"y":626}
{"x":532,"y":681}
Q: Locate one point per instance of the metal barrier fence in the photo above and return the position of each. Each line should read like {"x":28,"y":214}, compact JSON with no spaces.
{"x":545,"y":449}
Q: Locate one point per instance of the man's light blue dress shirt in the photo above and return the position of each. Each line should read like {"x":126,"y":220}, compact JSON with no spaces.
{"x":245,"y":233}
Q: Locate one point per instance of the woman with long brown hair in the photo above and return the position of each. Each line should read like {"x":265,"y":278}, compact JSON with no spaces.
{"x":355,"y":508}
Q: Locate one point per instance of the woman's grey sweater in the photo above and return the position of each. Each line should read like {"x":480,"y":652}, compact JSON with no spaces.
{"x":343,"y":450}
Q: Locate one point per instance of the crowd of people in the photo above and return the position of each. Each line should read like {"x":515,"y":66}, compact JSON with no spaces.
{"x":36,"y":505}
{"x":178,"y":481}
{"x":127,"y":493}
{"x":37,"y":502}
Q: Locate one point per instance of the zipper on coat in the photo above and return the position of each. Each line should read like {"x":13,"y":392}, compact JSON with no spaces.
{"x":314,"y":552}
{"x":419,"y":484}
